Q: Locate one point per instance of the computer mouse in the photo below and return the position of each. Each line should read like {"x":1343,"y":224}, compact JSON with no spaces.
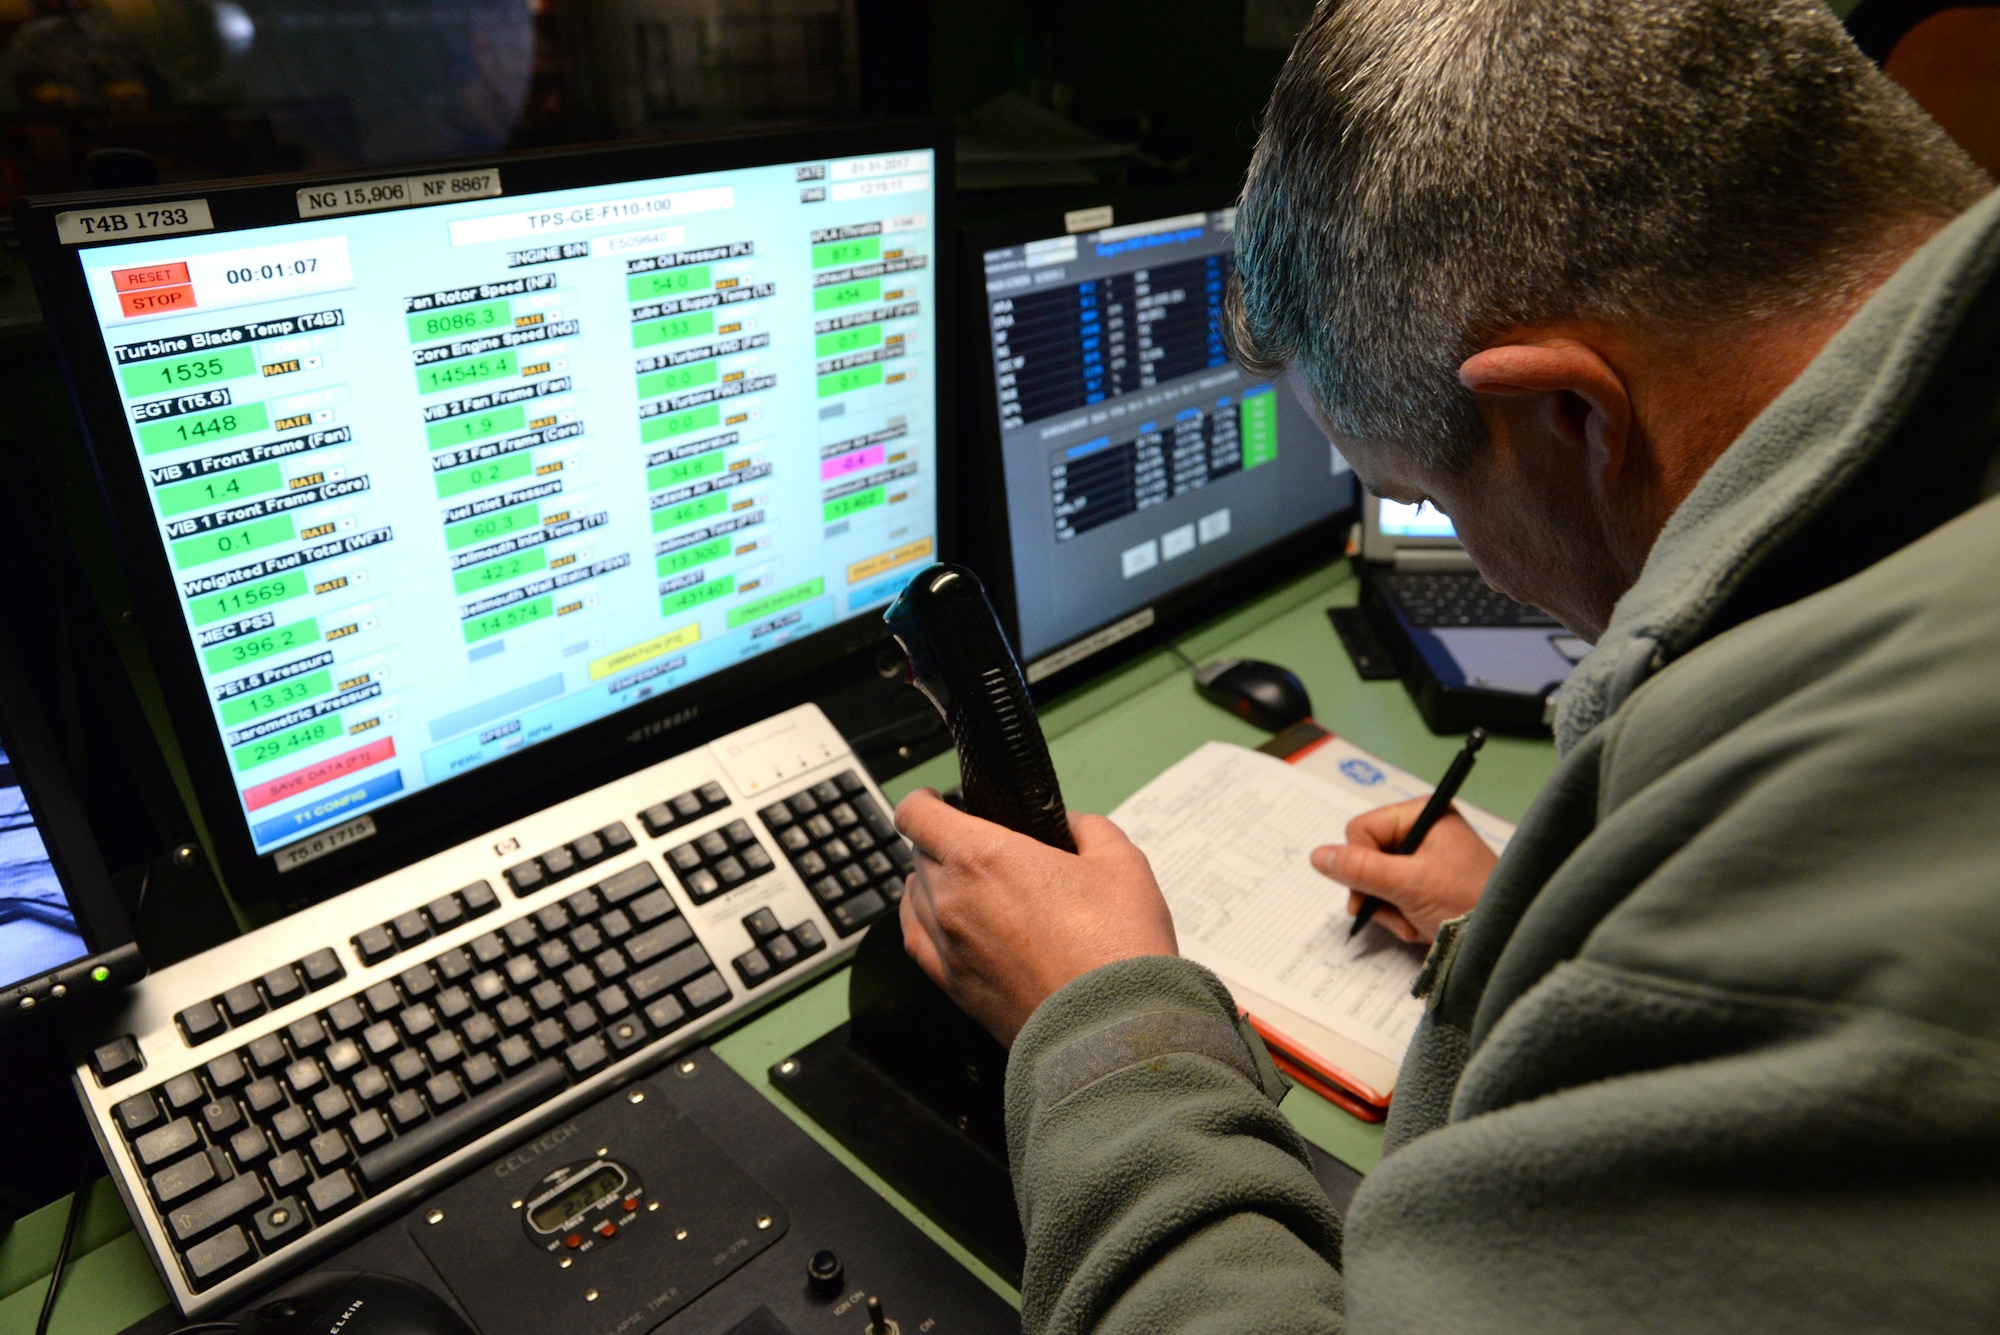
{"x":1263,"y":693}
{"x":354,"y":1302}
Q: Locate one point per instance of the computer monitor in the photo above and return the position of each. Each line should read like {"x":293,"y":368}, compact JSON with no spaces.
{"x":438,"y":488}
{"x":1422,"y":520}
{"x":1145,"y":476}
{"x":63,"y":931}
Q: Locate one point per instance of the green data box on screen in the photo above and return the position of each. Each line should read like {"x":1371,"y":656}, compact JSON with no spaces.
{"x":237,"y":540}
{"x":854,"y":377}
{"x":684,"y":470}
{"x":177,"y":433}
{"x":486,"y":528}
{"x":701,"y":507}
{"x":855,"y":504}
{"x":176,"y":373}
{"x":679,"y":424}
{"x":1260,"y":429}
{"x":506,"y":468}
{"x":281,"y":744}
{"x":475,"y":426}
{"x":262,"y":645}
{"x":707,"y":592}
{"x":487,"y":574}
{"x":847,"y":294}
{"x":244,"y":600}
{"x":674,"y":327}
{"x":855,"y":250}
{"x":759,"y":608}
{"x":663,"y":283}
{"x":687,"y":558}
{"x":848,"y":340}
{"x":239,"y":484}
{"x":459,"y":321}
{"x":512,"y":617}
{"x":272,"y":699}
{"x":675,"y":379}
{"x":465,"y":371}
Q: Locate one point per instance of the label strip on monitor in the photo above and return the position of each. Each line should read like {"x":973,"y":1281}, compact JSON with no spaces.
{"x":397,"y":192}
{"x":1090,"y":644}
{"x":82,"y":226}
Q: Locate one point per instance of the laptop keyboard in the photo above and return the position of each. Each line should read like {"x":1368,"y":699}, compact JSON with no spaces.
{"x":1434,"y":600}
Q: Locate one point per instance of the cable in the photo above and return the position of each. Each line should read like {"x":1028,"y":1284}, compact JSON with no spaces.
{"x":62,"y":1254}
{"x":1175,"y":650}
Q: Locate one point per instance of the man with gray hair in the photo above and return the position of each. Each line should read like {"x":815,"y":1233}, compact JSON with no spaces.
{"x":1689,"y":320}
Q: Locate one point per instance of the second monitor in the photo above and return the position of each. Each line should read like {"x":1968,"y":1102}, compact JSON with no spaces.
{"x":1143,"y":472}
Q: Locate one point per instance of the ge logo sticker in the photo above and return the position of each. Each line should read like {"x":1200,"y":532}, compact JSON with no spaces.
{"x":1361,"y":771}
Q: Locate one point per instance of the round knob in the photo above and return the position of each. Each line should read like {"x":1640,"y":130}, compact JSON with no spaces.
{"x":824,"y":1273}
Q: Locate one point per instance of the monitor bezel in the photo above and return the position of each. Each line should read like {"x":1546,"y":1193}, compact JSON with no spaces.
{"x":439,"y":816}
{"x":988,"y":541}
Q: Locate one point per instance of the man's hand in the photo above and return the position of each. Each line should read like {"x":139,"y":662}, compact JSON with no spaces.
{"x":1431,"y":886}
{"x":1001,"y":921}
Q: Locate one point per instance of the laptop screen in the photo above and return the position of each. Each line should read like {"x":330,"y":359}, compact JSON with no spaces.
{"x":1414,"y":521}
{"x":38,"y":928}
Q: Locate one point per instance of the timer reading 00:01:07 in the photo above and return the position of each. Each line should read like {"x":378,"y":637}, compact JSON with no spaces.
{"x":298,"y":268}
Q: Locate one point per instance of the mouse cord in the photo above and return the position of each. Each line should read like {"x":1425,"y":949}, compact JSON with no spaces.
{"x":70,"y":1222}
{"x":1175,"y":650}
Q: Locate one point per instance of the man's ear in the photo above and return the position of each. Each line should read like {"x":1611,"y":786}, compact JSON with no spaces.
{"x":1584,"y":399}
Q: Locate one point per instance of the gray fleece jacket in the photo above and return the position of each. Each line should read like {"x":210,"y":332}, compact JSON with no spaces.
{"x":1720,"y":1048}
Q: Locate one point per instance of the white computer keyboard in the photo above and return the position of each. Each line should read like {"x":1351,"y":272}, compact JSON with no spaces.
{"x":265,"y":1099}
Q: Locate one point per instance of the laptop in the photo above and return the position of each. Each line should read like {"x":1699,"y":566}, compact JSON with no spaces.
{"x":1468,"y":654}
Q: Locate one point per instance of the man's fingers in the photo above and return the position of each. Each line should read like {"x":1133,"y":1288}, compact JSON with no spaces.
{"x":1384,"y":827}
{"x":1094,"y":834}
{"x":917,"y":942}
{"x":1384,"y":875}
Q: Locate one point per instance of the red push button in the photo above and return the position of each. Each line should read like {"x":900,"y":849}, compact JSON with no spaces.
{"x":607,"y":1229}
{"x":631,"y":1204}
{"x":573,"y":1240}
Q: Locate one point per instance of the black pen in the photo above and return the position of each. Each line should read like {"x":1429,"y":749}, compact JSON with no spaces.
{"x":1433,"y":812}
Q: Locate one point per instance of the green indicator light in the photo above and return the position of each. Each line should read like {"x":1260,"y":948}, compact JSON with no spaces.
{"x":456,"y":320}
{"x":100,"y":974}
{"x":1259,"y":417}
{"x":667,"y":283}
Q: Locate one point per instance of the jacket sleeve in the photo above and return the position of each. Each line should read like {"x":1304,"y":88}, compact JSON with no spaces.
{"x":1159,"y":1187}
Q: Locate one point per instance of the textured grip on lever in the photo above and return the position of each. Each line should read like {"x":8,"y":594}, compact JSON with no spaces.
{"x":961,"y":660}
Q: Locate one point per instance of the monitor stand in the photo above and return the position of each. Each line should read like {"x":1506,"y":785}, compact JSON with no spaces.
{"x":914,"y":1089}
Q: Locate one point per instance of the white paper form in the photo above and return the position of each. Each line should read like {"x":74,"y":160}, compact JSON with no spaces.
{"x":1229,"y":831}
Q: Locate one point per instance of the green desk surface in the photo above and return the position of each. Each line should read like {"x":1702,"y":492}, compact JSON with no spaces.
{"x":1107,"y":740}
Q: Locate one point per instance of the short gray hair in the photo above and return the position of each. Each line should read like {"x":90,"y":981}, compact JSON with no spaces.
{"x":1433,"y":173}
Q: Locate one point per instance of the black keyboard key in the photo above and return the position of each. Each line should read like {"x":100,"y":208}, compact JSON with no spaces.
{"x":843,"y":816}
{"x":473,"y":1118}
{"x":137,"y":1114}
{"x":706,"y":991}
{"x":712,"y":796}
{"x":182,"y":1179}
{"x":345,"y":1016}
{"x":249,"y":1147}
{"x":409,"y":928}
{"x":608,"y":963}
{"x":654,"y":942}
{"x":795,"y":840}
{"x":547,"y":1036}
{"x":762,"y":924}
{"x":586,"y":940}
{"x":306,"y":1033}
{"x":810,"y":864}
{"x":343,"y":1055}
{"x":782,"y":952}
{"x":808,"y":939}
{"x":856,"y":913}
{"x":184,"y":1091}
{"x":522,"y":970}
{"x":304,"y":1076}
{"x":687,"y":806}
{"x":227,"y":1072}
{"x":288,"y":1170}
{"x":878,"y":864}
{"x":828,"y":890}
{"x":280,"y":1222}
{"x":263,"y":1095}
{"x":479,"y":1031}
{"x":520,"y":933}
{"x":616,"y":838}
{"x":418,"y":982}
{"x":859,"y":839}
{"x":578,"y":979}
{"x":242,"y":1002}
{"x":871,"y":815}
{"x":514,"y":1052}
{"x":512,"y":1013}
{"x":200,"y":1022}
{"x":332,"y":1194}
{"x":478,"y":899}
{"x":588,"y":848}
{"x":282,"y":985}
{"x":444,"y":1048}
{"x":827,"y":792}
{"x":583,"y":905}
{"x":558,"y":862}
{"x":836,"y":851}
{"x":730,"y":872}
{"x":408,"y":1067}
{"x":328,"y":1148}
{"x":628,"y":884}
{"x":445,"y":912}
{"x":488,"y":949}
{"x":488,"y":987}
{"x":776,"y":816}
{"x":684,"y":857}
{"x":586,"y":1056}
{"x":406,"y":1109}
{"x":453,"y":1002}
{"x":755,"y":860}
{"x":381,"y":1038}
{"x":658,"y":819}
{"x":675,"y":969}
{"x":479,"y":1071}
{"x":332,"y":1105}
{"x":374,"y":944}
{"x":526,"y":877}
{"x":802,"y":804}
{"x":712,"y":844}
{"x":580,"y":1017}
{"x":628,"y":1034}
{"x":321,"y":968}
{"x":650,"y":908}
{"x":368,"y":1129}
{"x":819,"y":826}
{"x":753,"y":966}
{"x":452,"y":965}
{"x":739,"y":833}
{"x":666,"y":1014}
{"x":615,"y":925}
{"x":444,"y":1089}
{"x":117,"y":1059}
{"x":546,"y":996}
{"x":701,"y":885}
{"x":554,"y":955}
{"x":383,"y":1000}
{"x":221,"y":1117}
{"x":218,"y":1257}
{"x":854,"y":876}
{"x":370,"y":1085}
{"x":552,"y":919}
{"x":417,"y":1021}
{"x":850,"y":782}
{"x":290,"y":1125}
{"x":612,"y":1001}
{"x":900,"y":854}
{"x":211,"y":1210}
